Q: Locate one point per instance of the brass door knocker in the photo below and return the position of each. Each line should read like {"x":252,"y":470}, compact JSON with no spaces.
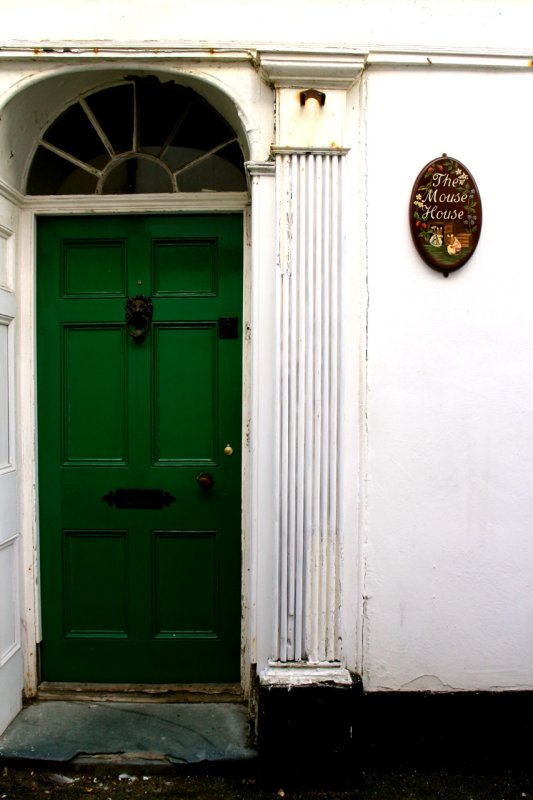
{"x":139,"y":311}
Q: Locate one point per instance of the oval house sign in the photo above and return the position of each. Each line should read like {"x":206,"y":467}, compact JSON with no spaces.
{"x":445,"y":214}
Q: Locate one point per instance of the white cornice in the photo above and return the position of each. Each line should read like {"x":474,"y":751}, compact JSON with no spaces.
{"x":11,"y":194}
{"x":283,"y":67}
{"x":181,"y":202}
{"x":60,"y":51}
{"x":297,"y":68}
{"x":254,"y":168}
{"x":476,"y":60}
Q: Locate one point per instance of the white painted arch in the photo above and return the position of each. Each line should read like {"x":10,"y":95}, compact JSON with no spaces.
{"x":29,"y":105}
{"x":38,"y":96}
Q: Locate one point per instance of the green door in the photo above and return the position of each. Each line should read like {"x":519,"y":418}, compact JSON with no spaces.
{"x":140,"y":558}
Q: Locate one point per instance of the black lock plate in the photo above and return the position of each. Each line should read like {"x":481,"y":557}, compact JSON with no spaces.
{"x":228,"y":328}
{"x":139,"y":498}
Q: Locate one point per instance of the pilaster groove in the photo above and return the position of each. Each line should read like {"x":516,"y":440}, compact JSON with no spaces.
{"x":309,"y":248}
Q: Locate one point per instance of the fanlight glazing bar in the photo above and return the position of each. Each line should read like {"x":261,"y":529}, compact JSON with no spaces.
{"x":69,"y":157}
{"x":175,"y":128}
{"x":96,"y":125}
{"x":203,"y":157}
{"x":136,"y":120}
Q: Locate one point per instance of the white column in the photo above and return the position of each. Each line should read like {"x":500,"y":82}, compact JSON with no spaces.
{"x":311,"y":131}
{"x":307,"y":324}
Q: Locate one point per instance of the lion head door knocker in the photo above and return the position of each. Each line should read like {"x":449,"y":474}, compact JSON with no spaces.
{"x":139,"y":311}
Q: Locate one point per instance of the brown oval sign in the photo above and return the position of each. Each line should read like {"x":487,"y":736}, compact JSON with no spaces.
{"x":445,"y":214}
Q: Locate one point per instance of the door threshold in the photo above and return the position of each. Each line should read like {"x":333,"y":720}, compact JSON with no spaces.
{"x":142,"y":692}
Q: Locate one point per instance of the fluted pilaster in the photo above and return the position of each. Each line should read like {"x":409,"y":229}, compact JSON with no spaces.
{"x":308,"y":553}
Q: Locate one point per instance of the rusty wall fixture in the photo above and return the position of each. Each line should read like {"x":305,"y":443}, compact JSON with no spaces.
{"x":445,"y":214}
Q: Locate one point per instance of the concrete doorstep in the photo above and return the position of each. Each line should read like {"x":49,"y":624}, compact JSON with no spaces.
{"x":128,"y":734}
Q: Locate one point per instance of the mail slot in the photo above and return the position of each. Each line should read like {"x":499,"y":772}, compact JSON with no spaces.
{"x":139,"y":498}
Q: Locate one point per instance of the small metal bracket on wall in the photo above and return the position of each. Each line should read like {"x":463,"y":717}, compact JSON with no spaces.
{"x":312,"y":94}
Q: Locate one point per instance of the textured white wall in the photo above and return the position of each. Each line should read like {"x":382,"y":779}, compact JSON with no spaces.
{"x":447,"y":468}
{"x":449,"y":543}
{"x":336,"y":23}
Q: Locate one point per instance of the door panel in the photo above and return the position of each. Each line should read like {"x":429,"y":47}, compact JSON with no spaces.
{"x":95,"y":411}
{"x":11,"y":675}
{"x":95,"y":583}
{"x":185,"y":356}
{"x":189,"y":558}
{"x":137,"y":590}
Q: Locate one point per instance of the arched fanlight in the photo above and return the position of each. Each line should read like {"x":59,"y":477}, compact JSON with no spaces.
{"x":141,"y":136}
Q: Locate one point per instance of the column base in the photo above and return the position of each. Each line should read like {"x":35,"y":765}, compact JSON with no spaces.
{"x":306,"y":726}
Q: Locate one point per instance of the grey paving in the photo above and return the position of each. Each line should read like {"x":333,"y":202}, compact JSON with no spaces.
{"x":128,"y":733}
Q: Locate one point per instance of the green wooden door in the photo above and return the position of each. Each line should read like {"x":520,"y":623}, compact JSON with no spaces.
{"x":133,"y":593}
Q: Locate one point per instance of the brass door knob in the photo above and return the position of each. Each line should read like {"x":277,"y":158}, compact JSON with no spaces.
{"x":228,"y":450}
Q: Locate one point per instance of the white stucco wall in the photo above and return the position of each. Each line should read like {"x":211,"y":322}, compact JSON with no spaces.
{"x":437,"y":521}
{"x":448,"y":549}
{"x":336,"y":23}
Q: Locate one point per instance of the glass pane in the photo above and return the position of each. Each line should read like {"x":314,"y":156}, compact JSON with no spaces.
{"x":51,"y":174}
{"x":113,"y":108}
{"x":216,"y":174}
{"x":174,"y":125}
{"x":74,"y":133}
{"x":161,"y":106}
{"x":204,"y":128}
{"x":138,"y":175}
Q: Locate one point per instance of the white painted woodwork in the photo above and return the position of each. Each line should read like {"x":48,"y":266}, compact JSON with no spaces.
{"x":10,"y":622}
{"x":307,"y":580}
{"x":262,"y":487}
{"x":4,"y":277}
{"x":5,"y":410}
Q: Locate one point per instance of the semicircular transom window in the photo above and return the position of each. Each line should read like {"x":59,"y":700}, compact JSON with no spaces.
{"x":141,"y":136}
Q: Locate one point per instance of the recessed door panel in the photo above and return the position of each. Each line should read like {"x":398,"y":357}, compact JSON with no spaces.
{"x":185,"y":393}
{"x":9,"y":627}
{"x":93,"y":268}
{"x":185,"y":267}
{"x":95,"y":580}
{"x":95,"y":412}
{"x":5,"y":411}
{"x":140,"y":509}
{"x":185,"y":583}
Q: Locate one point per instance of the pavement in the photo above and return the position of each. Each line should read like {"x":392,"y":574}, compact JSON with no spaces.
{"x":53,"y":747}
{"x":83,"y":734}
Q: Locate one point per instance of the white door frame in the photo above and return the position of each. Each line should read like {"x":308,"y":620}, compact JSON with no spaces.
{"x":32,"y":207}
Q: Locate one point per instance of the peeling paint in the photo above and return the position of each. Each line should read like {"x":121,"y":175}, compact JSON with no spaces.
{"x":427,"y":683}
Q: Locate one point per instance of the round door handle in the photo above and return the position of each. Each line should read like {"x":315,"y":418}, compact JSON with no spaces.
{"x":205,"y":480}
